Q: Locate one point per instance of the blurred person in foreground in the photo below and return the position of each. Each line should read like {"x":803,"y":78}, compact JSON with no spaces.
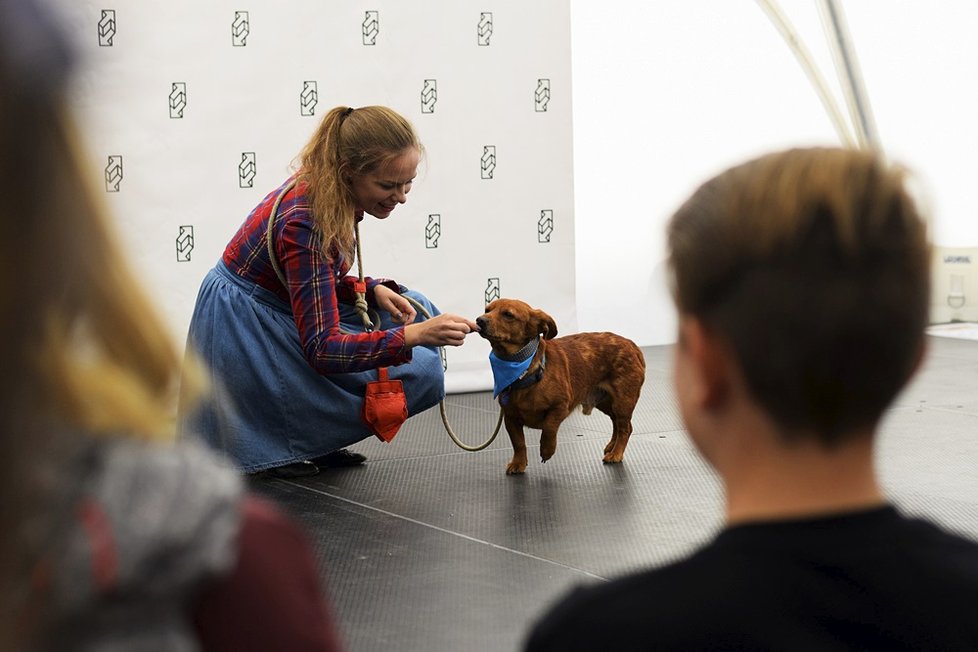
{"x":115,"y":536}
{"x":802,"y":283}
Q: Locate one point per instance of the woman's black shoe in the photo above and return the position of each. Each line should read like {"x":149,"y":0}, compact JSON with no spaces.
{"x":339,"y":458}
{"x":302,"y":469}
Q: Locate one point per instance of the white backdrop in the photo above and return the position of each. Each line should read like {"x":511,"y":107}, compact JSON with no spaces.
{"x":669,"y":92}
{"x":194,"y":111}
{"x":665,"y":93}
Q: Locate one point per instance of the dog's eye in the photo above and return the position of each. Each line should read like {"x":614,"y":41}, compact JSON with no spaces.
{"x":508,"y":315}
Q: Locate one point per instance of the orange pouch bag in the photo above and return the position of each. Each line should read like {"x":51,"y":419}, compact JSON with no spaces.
{"x":384,"y":406}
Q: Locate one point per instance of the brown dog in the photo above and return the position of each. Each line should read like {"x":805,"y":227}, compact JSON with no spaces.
{"x":601,"y":370}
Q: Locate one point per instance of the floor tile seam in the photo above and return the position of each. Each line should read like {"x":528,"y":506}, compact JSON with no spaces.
{"x":670,"y":431}
{"x":635,"y":431}
{"x":939,"y":408}
{"x":442,"y":530}
{"x":460,"y":452}
{"x":949,"y":410}
{"x":530,"y":444}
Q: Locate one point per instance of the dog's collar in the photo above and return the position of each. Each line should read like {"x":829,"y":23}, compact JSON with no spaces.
{"x":529,"y":379}
{"x":528,"y":350}
{"x":525,"y":379}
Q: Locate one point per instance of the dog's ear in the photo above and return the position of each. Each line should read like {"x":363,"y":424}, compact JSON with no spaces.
{"x":546,"y":325}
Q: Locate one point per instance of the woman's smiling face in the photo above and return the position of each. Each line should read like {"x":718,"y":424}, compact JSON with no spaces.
{"x":379,"y":192}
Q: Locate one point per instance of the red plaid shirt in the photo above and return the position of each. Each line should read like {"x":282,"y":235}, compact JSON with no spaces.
{"x":315,"y":283}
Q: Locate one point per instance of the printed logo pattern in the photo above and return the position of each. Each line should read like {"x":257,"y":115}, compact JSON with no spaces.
{"x":178,"y":99}
{"x":185,"y":243}
{"x":371,"y":27}
{"x":247,"y":169}
{"x":492,"y":290}
{"x":488,"y":161}
{"x":429,"y":95}
{"x":476,"y":102}
{"x":113,"y":174}
{"x":485,"y":27}
{"x":545,"y":227}
{"x":541,"y":98}
{"x":240,"y":29}
{"x":432,"y":231}
{"x":309,"y":98}
{"x":106,"y":28}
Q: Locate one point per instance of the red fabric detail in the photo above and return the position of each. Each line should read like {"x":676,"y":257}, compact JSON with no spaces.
{"x":384,"y":406}
{"x":273,"y":598}
{"x":105,"y":558}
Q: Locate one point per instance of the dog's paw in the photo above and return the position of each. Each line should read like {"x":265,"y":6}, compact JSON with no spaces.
{"x":547,"y":450}
{"x":516,"y":468}
{"x":613,"y":458}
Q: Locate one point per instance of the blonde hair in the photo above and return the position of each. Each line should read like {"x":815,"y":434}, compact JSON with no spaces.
{"x":95,"y":351}
{"x":349,"y":142}
{"x":82,"y":349}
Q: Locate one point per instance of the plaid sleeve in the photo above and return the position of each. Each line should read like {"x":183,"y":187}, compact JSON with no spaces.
{"x":313,"y":285}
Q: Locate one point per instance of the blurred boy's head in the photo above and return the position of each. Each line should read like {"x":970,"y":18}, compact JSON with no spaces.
{"x":812,"y":266}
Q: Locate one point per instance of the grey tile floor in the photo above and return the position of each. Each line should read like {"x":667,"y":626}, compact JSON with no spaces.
{"x":429,"y":547}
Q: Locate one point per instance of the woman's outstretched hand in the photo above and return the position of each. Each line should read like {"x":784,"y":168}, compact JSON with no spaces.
{"x":443,"y":330}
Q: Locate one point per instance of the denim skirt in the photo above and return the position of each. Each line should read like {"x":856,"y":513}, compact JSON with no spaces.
{"x":269,"y":407}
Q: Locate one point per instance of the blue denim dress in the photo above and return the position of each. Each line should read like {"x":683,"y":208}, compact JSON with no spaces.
{"x":269,"y":407}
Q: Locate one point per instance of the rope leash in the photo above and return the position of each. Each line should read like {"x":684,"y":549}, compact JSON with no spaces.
{"x":441,"y":406}
{"x":361,"y":307}
{"x":371,"y":323}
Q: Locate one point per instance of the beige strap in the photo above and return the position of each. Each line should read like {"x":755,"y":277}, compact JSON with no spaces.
{"x":268,"y":233}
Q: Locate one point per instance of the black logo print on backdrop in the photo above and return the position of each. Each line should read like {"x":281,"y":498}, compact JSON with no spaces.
{"x":429,"y":95}
{"x":106,"y":28}
{"x":545,"y":226}
{"x":432,"y":231}
{"x":247,"y":169}
{"x":178,"y":99}
{"x":485,"y":27}
{"x":370,"y":27}
{"x":113,"y":174}
{"x":185,"y":243}
{"x":541,"y":98}
{"x":240,"y":29}
{"x":488,"y":161}
{"x":308,"y":98}
{"x":492,"y":290}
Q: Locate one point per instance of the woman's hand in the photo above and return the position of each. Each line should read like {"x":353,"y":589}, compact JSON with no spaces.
{"x":443,"y":330}
{"x":401,"y":310}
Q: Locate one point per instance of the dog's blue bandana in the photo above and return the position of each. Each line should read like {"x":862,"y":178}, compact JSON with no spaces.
{"x":506,"y":371}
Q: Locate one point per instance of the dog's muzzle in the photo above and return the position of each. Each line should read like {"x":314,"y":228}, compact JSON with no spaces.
{"x":483,"y":325}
